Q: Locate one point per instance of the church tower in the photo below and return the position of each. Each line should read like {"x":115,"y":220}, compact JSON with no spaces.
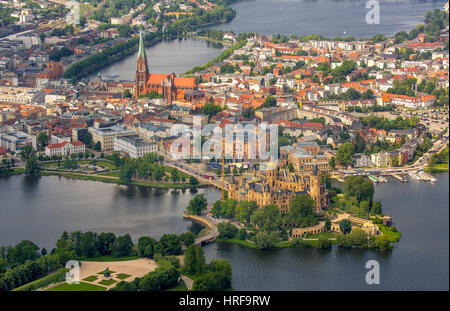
{"x":141,"y":69}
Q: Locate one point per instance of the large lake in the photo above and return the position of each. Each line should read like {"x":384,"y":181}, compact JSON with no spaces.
{"x":41,"y":210}
{"x":176,"y":56}
{"x":326,"y":17}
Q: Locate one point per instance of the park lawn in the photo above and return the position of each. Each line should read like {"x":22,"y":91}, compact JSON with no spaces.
{"x":441,"y":167}
{"x":91,"y":278}
{"x":393,"y":236}
{"x":107,"y":282}
{"x":122,"y":276}
{"x":113,"y":174}
{"x":82,"y":287}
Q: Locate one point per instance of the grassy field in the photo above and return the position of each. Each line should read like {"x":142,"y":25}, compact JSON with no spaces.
{"x":91,"y":278}
{"x":113,"y":174}
{"x":123,"y":276}
{"x":393,"y":236}
{"x":107,"y":282}
{"x":82,"y":287}
{"x":441,"y":167}
{"x":158,"y":185}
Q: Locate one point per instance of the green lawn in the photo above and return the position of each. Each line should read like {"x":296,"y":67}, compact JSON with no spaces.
{"x":91,"y":278}
{"x":123,"y":276}
{"x":393,"y":236}
{"x":113,"y":174}
{"x":82,"y":287}
{"x":107,"y":282}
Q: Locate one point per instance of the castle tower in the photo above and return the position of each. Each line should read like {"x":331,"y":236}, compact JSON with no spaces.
{"x":141,"y":68}
{"x":314,"y":188}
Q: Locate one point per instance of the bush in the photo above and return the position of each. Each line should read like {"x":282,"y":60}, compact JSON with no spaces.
{"x":59,"y":276}
{"x":227,"y":230}
{"x":323,"y":243}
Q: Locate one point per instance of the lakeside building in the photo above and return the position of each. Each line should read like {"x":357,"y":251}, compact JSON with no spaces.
{"x":65,"y":148}
{"x":278,"y":187}
{"x":106,"y":136}
{"x":14,"y":141}
{"x":169,"y":86}
{"x":134,"y":146}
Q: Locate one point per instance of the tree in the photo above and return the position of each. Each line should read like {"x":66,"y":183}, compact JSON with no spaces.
{"x":193,"y":181}
{"x":42,"y":139}
{"x":269,"y":101}
{"x":169,"y":244}
{"x":345,"y":226}
{"x":27,"y":153}
{"x":344,"y":153}
{"x":98,"y":146}
{"x":122,"y":246}
{"x":376,"y":208}
{"x":268,"y":218}
{"x":227,"y":230}
{"x":146,"y":246}
{"x":265,"y":240}
{"x":327,"y":224}
{"x":127,"y":93}
{"x":243,"y":211}
{"x":382,"y":243}
{"x":301,"y":211}
{"x":32,"y":167}
{"x":332,"y":162}
{"x":123,"y":286}
{"x":197,"y":205}
{"x":194,"y":260}
{"x":359,"y":187}
{"x":23,"y":251}
{"x":188,"y":238}
{"x":105,"y":243}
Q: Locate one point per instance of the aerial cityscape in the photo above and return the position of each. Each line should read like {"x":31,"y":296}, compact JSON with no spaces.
{"x":224,"y":145}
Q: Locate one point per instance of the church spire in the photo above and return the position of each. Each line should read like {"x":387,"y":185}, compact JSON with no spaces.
{"x":141,"y":52}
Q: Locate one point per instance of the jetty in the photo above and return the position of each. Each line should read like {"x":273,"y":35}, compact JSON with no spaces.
{"x":401,"y":178}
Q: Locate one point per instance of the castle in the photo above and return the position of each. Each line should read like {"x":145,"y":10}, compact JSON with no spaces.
{"x":277,"y":186}
{"x":168,"y":85}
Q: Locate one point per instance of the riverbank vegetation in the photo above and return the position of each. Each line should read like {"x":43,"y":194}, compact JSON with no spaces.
{"x":439,"y":161}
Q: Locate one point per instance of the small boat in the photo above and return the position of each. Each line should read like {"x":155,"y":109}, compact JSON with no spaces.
{"x":374,"y":179}
{"x":382,"y":179}
{"x":414,"y":175}
{"x":216,"y":248}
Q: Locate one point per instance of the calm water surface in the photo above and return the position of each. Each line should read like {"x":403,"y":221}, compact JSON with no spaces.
{"x":419,"y":261}
{"x":176,"y":56}
{"x":326,"y":17}
{"x":41,"y":210}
